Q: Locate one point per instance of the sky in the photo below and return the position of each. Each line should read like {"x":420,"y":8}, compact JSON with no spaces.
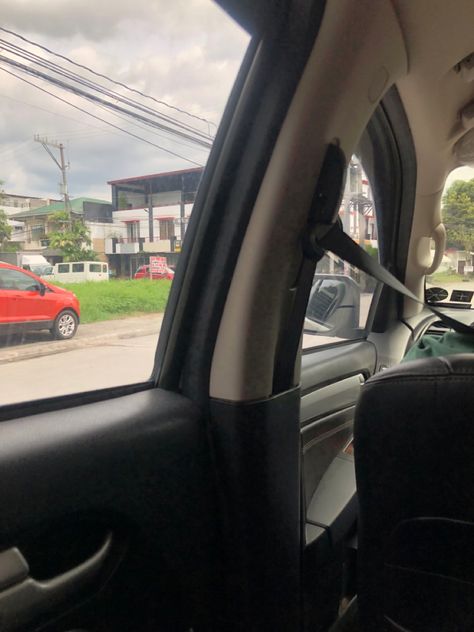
{"x":461,"y":173}
{"x":186,"y":53}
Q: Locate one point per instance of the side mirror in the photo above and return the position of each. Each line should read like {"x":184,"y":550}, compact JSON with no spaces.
{"x":334,"y":306}
{"x":42,"y":289}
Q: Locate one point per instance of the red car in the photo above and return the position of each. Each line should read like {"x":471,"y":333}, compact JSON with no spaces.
{"x":28,"y":302}
{"x":143,"y":272}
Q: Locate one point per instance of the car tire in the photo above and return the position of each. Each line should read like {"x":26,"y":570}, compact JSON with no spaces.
{"x":65,"y":325}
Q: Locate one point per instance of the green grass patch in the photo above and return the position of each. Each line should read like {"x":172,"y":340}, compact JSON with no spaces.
{"x":117,"y":298}
{"x":446,"y":277}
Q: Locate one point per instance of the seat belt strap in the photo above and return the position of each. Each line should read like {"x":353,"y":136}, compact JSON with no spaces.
{"x":333,"y":238}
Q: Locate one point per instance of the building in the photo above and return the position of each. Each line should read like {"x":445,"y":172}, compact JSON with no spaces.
{"x":97,"y":214}
{"x":150,"y":215}
{"x":357,"y":209}
{"x":11,"y":204}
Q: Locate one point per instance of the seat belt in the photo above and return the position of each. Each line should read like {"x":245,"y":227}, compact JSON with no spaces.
{"x":323,"y":237}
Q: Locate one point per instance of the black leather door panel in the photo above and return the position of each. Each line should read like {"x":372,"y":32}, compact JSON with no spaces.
{"x":137,"y":467}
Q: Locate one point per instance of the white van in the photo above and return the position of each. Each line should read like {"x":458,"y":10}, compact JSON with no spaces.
{"x":80,"y":271}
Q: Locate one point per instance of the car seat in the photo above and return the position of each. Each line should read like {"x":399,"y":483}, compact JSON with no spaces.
{"x":414,"y":459}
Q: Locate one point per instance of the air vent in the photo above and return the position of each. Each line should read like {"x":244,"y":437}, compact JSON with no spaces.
{"x":438,"y":328}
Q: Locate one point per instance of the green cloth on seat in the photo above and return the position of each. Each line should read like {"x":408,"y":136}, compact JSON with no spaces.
{"x":449,"y":343}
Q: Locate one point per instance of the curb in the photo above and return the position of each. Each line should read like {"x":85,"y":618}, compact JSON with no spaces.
{"x":53,"y":348}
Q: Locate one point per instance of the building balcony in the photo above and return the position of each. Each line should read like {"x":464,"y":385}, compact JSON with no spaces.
{"x":127,"y":247}
{"x":158,"y":245}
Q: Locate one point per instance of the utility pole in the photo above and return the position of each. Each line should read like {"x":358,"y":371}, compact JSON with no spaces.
{"x":62,"y":167}
{"x":182,"y":211}
{"x":151,"y":226}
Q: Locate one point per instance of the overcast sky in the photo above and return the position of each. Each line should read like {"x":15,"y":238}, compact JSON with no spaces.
{"x":185,"y":52}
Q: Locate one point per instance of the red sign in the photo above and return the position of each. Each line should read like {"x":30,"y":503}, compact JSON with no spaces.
{"x":158,"y":265}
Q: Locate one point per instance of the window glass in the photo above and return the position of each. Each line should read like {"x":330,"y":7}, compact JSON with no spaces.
{"x":341,"y":296}
{"x":122,"y":108}
{"x":15,"y":280}
{"x":453,"y":281}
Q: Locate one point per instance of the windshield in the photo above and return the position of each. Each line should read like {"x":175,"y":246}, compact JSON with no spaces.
{"x":453,"y":282}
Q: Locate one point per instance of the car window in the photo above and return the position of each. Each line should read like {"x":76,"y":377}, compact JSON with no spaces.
{"x":123,"y":110}
{"x":453,"y":281}
{"x":16,"y":280}
{"x":341,"y":296}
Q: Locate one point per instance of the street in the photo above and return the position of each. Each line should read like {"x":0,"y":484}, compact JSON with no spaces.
{"x":111,"y":363}
{"x":104,"y":354}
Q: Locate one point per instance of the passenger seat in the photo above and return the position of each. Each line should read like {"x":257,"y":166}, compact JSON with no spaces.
{"x":414,"y":459}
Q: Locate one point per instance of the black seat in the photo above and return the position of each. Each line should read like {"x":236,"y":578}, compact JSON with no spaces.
{"x":414,"y":457}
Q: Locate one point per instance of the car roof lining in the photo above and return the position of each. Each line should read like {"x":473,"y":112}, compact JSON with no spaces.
{"x":433,"y":95}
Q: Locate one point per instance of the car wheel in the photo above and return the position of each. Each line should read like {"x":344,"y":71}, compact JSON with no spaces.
{"x":65,"y":325}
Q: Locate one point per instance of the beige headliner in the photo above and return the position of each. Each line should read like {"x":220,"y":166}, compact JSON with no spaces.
{"x":363,"y":47}
{"x":438,"y":35}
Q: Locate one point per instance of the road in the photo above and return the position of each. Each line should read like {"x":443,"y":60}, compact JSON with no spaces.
{"x":111,"y":363}
{"x":101,"y":355}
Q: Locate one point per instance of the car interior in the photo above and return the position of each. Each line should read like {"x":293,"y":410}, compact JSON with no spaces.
{"x":255,"y":483}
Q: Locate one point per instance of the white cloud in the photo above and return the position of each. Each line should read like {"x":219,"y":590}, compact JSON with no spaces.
{"x":186,"y":53}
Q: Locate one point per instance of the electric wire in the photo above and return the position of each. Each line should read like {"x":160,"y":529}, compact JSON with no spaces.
{"x":175,"y":154}
{"x":98,"y":74}
{"x":49,"y":65}
{"x":93,"y":98}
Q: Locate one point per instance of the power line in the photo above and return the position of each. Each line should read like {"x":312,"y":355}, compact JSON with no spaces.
{"x":90,"y":97}
{"x":98,"y":74}
{"x":37,"y":107}
{"x":183,"y":143}
{"x":59,"y":70}
{"x":99,"y":118}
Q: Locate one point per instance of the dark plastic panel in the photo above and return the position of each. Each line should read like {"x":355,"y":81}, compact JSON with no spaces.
{"x":325,"y":365}
{"x":257,"y":447}
{"x":137,"y":465}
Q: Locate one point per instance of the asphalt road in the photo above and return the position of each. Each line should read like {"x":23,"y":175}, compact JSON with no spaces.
{"x":112,"y":363}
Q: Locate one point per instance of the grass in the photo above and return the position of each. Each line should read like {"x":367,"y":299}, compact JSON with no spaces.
{"x":446,"y":277}
{"x":118,"y":299}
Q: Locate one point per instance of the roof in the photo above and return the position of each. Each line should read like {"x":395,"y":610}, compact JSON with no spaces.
{"x":157,"y":175}
{"x":77,"y":205}
{"x":26,"y":197}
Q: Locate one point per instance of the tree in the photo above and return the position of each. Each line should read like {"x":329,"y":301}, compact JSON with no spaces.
{"x":72,"y":237}
{"x":5,"y":228}
{"x":458,"y":214}
{"x":122,"y":201}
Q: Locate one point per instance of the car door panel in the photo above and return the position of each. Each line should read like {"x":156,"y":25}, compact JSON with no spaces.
{"x":8,"y":306}
{"x":30,"y":306}
{"x":134,"y":469}
{"x":331,"y":379}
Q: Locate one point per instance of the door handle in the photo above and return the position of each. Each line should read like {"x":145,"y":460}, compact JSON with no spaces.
{"x":22,"y":598}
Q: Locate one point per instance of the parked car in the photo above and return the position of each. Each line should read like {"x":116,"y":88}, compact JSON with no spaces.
{"x":80,"y":271}
{"x":143,"y":272}
{"x":28,"y":302}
